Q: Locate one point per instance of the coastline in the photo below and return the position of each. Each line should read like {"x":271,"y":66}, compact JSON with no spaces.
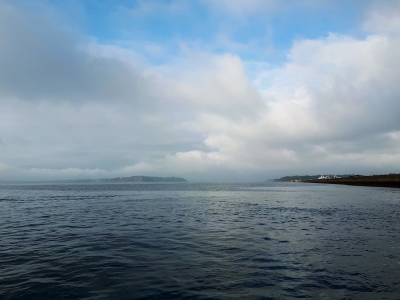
{"x":389,"y":180}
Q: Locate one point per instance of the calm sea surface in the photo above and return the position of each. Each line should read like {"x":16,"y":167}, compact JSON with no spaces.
{"x":199,"y":241}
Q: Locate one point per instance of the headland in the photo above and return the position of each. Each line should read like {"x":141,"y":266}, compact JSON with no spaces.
{"x":387,"y":180}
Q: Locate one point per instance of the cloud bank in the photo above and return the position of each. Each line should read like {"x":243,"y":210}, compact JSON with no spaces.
{"x":74,"y":107}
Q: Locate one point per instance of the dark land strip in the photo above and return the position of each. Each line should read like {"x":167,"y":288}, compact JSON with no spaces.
{"x":389,"y":180}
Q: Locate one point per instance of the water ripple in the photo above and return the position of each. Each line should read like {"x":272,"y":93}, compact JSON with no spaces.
{"x":199,"y":241}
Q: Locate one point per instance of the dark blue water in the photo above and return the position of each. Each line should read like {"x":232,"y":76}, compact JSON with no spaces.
{"x":199,"y":241}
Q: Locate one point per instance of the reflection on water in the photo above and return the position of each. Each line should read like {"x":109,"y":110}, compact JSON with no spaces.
{"x":199,"y":241}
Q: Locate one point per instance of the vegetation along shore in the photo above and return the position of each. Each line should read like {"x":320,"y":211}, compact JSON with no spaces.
{"x":388,"y":180}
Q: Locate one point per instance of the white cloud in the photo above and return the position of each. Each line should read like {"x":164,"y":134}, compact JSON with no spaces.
{"x":332,"y":92}
{"x":213,"y":83}
{"x":71,"y":108}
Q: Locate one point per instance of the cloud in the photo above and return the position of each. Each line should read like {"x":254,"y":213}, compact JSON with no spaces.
{"x":238,"y":8}
{"x":383,"y":17}
{"x":333,"y":103}
{"x":213,"y":83}
{"x":69,"y":103}
{"x":39,"y":61}
{"x":72,"y":107}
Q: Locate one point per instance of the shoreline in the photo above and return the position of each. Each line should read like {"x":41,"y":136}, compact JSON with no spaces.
{"x":390,"y":180}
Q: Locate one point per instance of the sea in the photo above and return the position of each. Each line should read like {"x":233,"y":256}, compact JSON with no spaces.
{"x":199,"y":241}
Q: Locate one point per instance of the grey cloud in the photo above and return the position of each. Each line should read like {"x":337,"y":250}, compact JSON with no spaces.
{"x":38,"y":60}
{"x":45,"y":72}
{"x":332,"y":106}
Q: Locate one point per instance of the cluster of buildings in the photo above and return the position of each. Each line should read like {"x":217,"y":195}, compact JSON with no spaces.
{"x":328,"y":177}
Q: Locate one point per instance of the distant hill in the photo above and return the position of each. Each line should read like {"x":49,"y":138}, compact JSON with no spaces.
{"x":129,"y":179}
{"x":303,"y":177}
{"x":296,"y":177}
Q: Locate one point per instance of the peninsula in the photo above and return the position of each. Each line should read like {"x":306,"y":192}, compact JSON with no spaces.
{"x":301,"y":178}
{"x":387,"y":180}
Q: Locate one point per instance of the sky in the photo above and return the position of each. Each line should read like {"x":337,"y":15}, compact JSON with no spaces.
{"x":208,"y":90}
